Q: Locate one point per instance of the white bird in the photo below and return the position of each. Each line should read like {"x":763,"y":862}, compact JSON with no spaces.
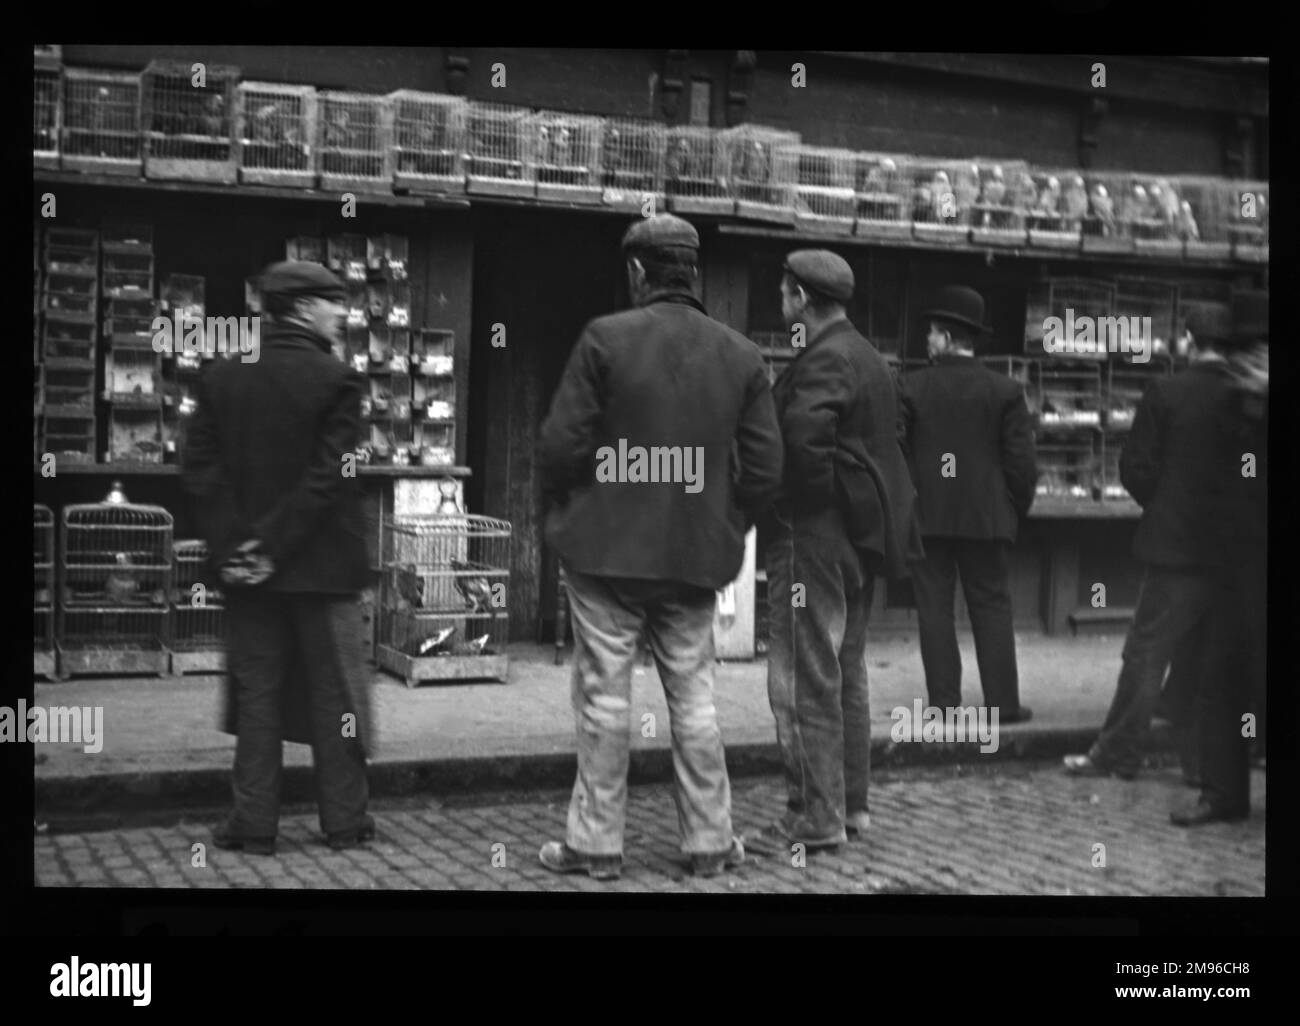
{"x":437,"y":641}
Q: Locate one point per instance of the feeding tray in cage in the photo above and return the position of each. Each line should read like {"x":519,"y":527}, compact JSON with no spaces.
{"x":428,"y":142}
{"x":101,"y":122}
{"x":566,"y":156}
{"x":632,"y":164}
{"x":189,"y":130}
{"x":277,"y":134}
{"x":500,"y":151}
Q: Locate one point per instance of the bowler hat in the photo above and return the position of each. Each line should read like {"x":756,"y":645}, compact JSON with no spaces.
{"x":1209,"y":322}
{"x":300,"y":278}
{"x":659,"y":231}
{"x":958,"y":304}
{"x":1250,"y":316}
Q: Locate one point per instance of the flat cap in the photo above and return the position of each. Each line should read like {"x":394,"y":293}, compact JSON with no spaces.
{"x":661,"y":230}
{"x":823,"y":272}
{"x":300,"y":278}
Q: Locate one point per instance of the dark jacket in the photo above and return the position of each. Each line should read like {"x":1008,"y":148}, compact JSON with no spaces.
{"x":663,"y":375}
{"x":264,"y":459}
{"x":837,"y":405}
{"x":1182,"y":463}
{"x":958,"y":406}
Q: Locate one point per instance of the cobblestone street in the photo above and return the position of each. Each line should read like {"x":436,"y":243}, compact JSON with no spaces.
{"x":1008,"y":828}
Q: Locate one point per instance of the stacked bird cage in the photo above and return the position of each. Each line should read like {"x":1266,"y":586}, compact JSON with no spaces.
{"x":1105,"y":226}
{"x":189,"y":126}
{"x":695,"y":172}
{"x":566,"y":150}
{"x":47,"y":112}
{"x":428,"y":141}
{"x":998,"y":213}
{"x":115,"y":584}
{"x":1070,"y":395}
{"x":43,"y":662}
{"x":277,"y":134}
{"x":101,"y":122}
{"x":1154,"y":215}
{"x":943,"y":196}
{"x":1056,"y":204}
{"x":761,"y":170}
{"x":68,"y":343}
{"x":1069,"y":472}
{"x":354,"y":134}
{"x":1248,"y":224}
{"x":1069,"y":301}
{"x":198,"y":613}
{"x":1150,"y":306}
{"x":1204,"y":215}
{"x":443,"y":597}
{"x":632,"y":164}
{"x":882,"y":184}
{"x":501,"y":151}
{"x":824,"y":198}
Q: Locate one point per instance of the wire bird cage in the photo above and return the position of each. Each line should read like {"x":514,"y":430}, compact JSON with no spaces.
{"x":1055,"y":208}
{"x":632,"y":164}
{"x":355,"y":136}
{"x":882,"y":185}
{"x":566,"y":149}
{"x":761,"y":170}
{"x":1069,"y":395}
{"x":428,"y":141}
{"x":47,"y":112}
{"x":1248,"y":225}
{"x":443,"y":597}
{"x":824,"y":200}
{"x":1106,"y":225}
{"x":115,"y":574}
{"x":189,"y":128}
{"x":43,"y":591}
{"x":943,"y":195}
{"x":1150,"y":308}
{"x":695,"y":172}
{"x":1154,"y":214}
{"x":101,"y":122}
{"x":276,"y":131}
{"x":1068,"y":473}
{"x":502,"y":151}
{"x":1111,"y":487}
{"x":1072,"y":302}
{"x":198,"y":643}
{"x":997,"y":214}
{"x":1204,"y":216}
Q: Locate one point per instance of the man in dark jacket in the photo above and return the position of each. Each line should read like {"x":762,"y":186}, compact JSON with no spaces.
{"x":845,"y":516}
{"x":660,"y":448}
{"x":267,"y":463}
{"x":1175,"y":464}
{"x":970,"y":442}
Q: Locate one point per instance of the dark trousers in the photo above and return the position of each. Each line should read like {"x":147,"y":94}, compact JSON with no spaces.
{"x":819,"y":598}
{"x":984,"y":581}
{"x":321,"y":637}
{"x":1171,"y":605}
{"x":1234,"y":682}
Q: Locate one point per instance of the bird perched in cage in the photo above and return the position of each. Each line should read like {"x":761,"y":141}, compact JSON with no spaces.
{"x":409,"y":585}
{"x":1165,"y":200}
{"x":337,"y":128}
{"x":1103,"y":208}
{"x":1074,"y":201}
{"x":436,"y":641}
{"x":1187,"y":228}
{"x":120,"y":586}
{"x":921,"y":204}
{"x":966,"y":188}
{"x":475,"y":590}
{"x":677,"y":164}
{"x":561,"y":147}
{"x":942,"y":200}
{"x":1049,"y":196}
{"x":994,"y":187}
{"x":1138,"y":206}
{"x":477,"y":645}
{"x":262,"y":125}
{"x":756,"y":162}
{"x":212,"y":122}
{"x":611,"y":155}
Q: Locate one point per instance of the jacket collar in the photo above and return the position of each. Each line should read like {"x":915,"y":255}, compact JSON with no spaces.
{"x":838,"y":327}
{"x":295,"y":334}
{"x":958,"y":359}
{"x":674,"y":295}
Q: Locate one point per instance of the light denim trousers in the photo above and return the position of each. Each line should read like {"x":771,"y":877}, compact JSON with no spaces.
{"x":608,"y":617}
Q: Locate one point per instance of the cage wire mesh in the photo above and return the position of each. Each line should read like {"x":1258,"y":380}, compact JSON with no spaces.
{"x":1204,"y":216}
{"x":632,"y":164}
{"x":883,"y":191}
{"x":1106,"y":225}
{"x":567,"y":156}
{"x":1144,"y":298}
{"x":1152,"y":215}
{"x":115,"y":573}
{"x":1069,"y":301}
{"x":695,"y":171}
{"x":198,"y":642}
{"x":277,"y":134}
{"x":443,"y":609}
{"x":354,"y":132}
{"x":47,"y":113}
{"x":824,"y":198}
{"x":1059,"y":205}
{"x":43,"y":590}
{"x":189,"y":122}
{"x":1069,"y":471}
{"x":101,"y":122}
{"x":943,"y":195}
{"x":1069,"y":394}
{"x":761,"y":170}
{"x":502,"y":151}
{"x":429,"y":134}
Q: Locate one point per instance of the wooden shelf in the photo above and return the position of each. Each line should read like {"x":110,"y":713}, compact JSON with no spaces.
{"x":1084,"y":509}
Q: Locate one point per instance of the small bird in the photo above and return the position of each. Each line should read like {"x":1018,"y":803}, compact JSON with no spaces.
{"x":1166,"y":201}
{"x":995,"y":186}
{"x":942,"y":202}
{"x":1187,"y":223}
{"x":560,"y":147}
{"x":1138,"y":207}
{"x":966,"y":188}
{"x":410,"y":586}
{"x":436,"y":641}
{"x":477,"y":645}
{"x":678,"y":164}
{"x":1103,"y":208}
{"x":262,"y":125}
{"x":756,"y":162}
{"x":213,"y":119}
{"x":120,"y":586}
{"x":1075,"y":200}
{"x":611,"y":154}
{"x":475,"y":590}
{"x":1049,"y":196}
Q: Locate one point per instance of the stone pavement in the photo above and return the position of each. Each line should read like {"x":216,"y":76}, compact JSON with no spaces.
{"x":1017,"y":828}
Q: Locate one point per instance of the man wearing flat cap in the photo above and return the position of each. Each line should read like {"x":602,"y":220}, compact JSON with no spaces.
{"x":845,"y":517}
{"x":970,"y":443}
{"x":264,"y":465}
{"x":1178,"y":464}
{"x":660,"y":449}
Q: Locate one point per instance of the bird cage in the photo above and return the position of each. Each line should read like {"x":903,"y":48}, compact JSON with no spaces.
{"x":632,"y":164}
{"x":997,"y":215}
{"x":1204,"y":216}
{"x":43,"y":592}
{"x":695,"y":172}
{"x":566,"y":150}
{"x":115,"y":574}
{"x":1248,"y":221}
{"x":101,"y":122}
{"x":47,"y":55}
{"x":1110,"y":487}
{"x":355,"y":136}
{"x":1148,"y":298}
{"x":47,"y":113}
{"x":883,"y":190}
{"x":1056,"y":204}
{"x":1105,"y":228}
{"x":1154,"y":215}
{"x":189,"y":128}
{"x":761,"y":170}
{"x":428,"y":141}
{"x":1069,"y":394}
{"x":1068,"y":472}
{"x":198,"y":643}
{"x":824,"y":198}
{"x":277,"y":134}
{"x":943,"y":196}
{"x":501,"y":151}
{"x":443,"y":612}
{"x":390,"y":255}
{"x":69,"y":436}
{"x":1071,"y":302}
{"x":305,"y":247}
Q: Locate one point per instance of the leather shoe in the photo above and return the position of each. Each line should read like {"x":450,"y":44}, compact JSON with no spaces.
{"x":223,"y":836}
{"x":712,"y":865}
{"x":558,"y":857}
{"x":773,"y":840}
{"x":1022,"y":715}
{"x":1204,"y":812}
{"x":856,"y":824}
{"x":1087,"y":766}
{"x":341,"y":840}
